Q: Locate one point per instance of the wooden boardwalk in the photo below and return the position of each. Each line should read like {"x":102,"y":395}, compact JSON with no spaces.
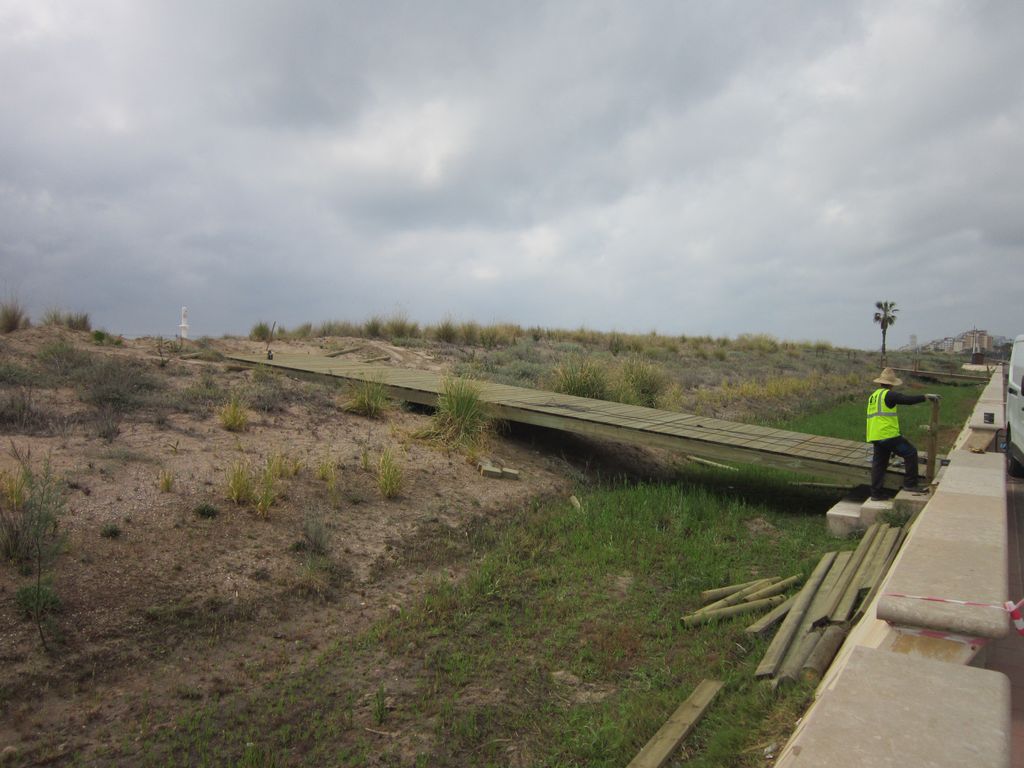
{"x":701,"y":436}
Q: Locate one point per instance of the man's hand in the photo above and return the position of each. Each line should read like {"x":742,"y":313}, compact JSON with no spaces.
{"x":933,"y":397}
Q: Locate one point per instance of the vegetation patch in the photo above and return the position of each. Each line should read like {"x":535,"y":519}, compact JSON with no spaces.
{"x":461,"y":420}
{"x":540,"y":655}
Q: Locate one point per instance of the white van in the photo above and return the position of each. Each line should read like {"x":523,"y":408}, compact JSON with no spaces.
{"x":1015,"y":411}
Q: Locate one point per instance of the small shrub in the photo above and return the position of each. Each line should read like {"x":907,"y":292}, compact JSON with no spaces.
{"x":63,"y":359}
{"x":469,"y":333}
{"x":447,"y":332}
{"x":315,"y":578}
{"x":239,"y":483}
{"x":105,"y":338}
{"x":14,"y":487}
{"x":37,"y":600}
{"x":316,"y":536}
{"x":266,"y":493}
{"x":373,"y":328}
{"x":75,"y":321}
{"x":398,"y":326}
{"x":260,"y":332}
{"x":110,"y":531}
{"x":582,"y":377}
{"x":201,"y":396}
{"x":108,"y":423}
{"x":122,"y":385}
{"x":13,"y":374}
{"x":18,"y":413}
{"x":13,"y":316}
{"x":206,"y":511}
{"x":641,"y":383}
{"x":165,"y":480}
{"x":327,"y":470}
{"x":461,"y":418}
{"x":233,"y":415}
{"x":389,"y":475}
{"x":367,"y":398}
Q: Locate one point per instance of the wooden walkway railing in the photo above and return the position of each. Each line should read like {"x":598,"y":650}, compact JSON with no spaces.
{"x":716,"y":439}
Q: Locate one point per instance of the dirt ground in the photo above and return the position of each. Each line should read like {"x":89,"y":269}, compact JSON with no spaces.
{"x":181,"y":606}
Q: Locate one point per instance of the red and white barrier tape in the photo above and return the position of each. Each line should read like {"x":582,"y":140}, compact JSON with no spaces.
{"x":976,"y":642}
{"x":1010,"y":607}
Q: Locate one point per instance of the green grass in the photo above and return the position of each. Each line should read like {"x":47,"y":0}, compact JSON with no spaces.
{"x":367,"y":398}
{"x":461,"y":419}
{"x":562,"y":645}
{"x":846,"y":420}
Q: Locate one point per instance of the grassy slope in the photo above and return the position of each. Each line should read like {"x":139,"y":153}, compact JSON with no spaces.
{"x":590,"y":595}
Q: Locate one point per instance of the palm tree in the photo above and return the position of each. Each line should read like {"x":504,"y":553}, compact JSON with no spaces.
{"x":885,"y":316}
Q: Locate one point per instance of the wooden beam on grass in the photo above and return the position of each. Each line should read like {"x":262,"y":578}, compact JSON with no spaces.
{"x":769,"y":620}
{"x":780,"y":644}
{"x":736,"y":597}
{"x":705,"y":617}
{"x":711,"y":595}
{"x":659,"y":749}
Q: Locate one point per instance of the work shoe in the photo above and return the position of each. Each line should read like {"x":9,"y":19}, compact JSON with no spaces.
{"x":917,"y":490}
{"x":879,"y":498}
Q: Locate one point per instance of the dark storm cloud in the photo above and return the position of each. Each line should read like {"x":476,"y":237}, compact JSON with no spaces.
{"x":691,"y":167}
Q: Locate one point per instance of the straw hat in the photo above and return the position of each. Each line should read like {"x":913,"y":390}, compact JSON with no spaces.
{"x":888,"y":377}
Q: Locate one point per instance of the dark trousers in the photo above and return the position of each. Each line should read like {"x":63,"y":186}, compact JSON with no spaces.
{"x":884,"y":449}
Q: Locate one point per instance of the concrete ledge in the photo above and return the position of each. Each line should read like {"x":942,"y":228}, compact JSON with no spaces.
{"x":924,"y":713}
{"x":958,"y":551}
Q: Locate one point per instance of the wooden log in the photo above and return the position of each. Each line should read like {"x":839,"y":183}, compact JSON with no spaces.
{"x":772,"y":589}
{"x":710,"y":595}
{"x":846,"y":603}
{"x":851,"y":569}
{"x":736,"y":597}
{"x":780,"y":644}
{"x":883,"y":572}
{"x":376,"y":359}
{"x":816,"y":616}
{"x":799,"y":651}
{"x":340,"y":352}
{"x":769,"y":620}
{"x":826,"y":649}
{"x":659,"y":749}
{"x":705,"y":617}
{"x":878,"y":558}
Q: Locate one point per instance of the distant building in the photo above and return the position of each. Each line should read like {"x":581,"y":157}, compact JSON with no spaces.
{"x":975,"y":339}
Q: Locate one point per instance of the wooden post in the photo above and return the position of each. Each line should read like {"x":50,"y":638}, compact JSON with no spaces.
{"x":933,"y":442}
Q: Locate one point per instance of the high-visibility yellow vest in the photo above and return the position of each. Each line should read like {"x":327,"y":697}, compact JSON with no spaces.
{"x":883,"y":422}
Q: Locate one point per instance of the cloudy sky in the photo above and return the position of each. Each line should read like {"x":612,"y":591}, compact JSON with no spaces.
{"x":687,"y":166}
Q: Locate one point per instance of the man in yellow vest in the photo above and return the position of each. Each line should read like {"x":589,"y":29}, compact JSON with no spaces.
{"x":884,"y":434}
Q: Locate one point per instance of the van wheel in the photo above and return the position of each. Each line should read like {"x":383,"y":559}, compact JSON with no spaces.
{"x":1013,"y":467}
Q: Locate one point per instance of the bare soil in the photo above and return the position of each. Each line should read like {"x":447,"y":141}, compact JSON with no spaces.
{"x":181,"y":607}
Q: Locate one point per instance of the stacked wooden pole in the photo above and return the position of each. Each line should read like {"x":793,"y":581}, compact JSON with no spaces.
{"x":737,"y":599}
{"x":834,"y":597}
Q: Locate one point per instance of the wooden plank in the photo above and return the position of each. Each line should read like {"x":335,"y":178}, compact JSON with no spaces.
{"x":769,"y":620}
{"x":659,"y":749}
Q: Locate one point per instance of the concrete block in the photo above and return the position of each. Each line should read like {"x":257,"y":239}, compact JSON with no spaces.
{"x":509,"y":474}
{"x":489,"y":470}
{"x":908,"y":504}
{"x":893,"y":710}
{"x":844,"y":519}
{"x":870,"y":510}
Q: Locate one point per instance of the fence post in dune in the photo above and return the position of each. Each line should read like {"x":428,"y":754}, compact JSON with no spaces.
{"x":659,"y":749}
{"x":183,"y":326}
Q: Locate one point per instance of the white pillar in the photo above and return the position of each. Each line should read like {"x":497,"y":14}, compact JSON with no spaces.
{"x":183,"y":328}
